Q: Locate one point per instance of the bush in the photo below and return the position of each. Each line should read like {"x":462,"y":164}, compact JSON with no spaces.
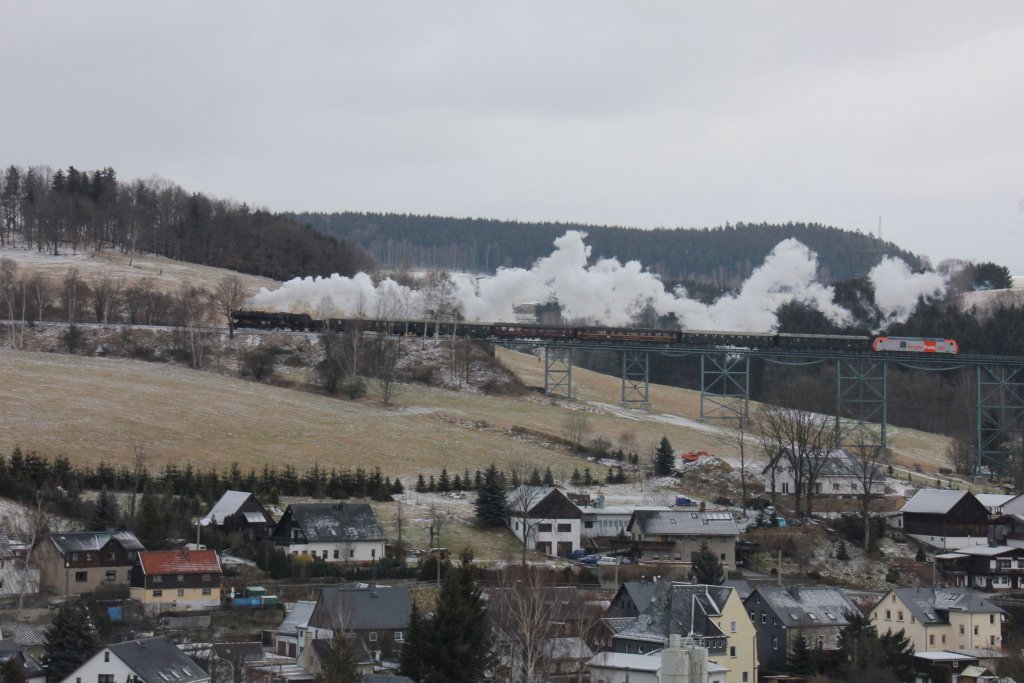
{"x":73,"y":338}
{"x":258,"y":363}
{"x":921,"y":556}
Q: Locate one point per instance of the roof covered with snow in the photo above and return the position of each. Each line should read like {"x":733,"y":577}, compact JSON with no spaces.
{"x":228,"y":505}
{"x":93,"y":541}
{"x":933,"y":501}
{"x":626,"y":662}
{"x":330,"y":523}
{"x":806,"y":605}
{"x":298,"y":617}
{"x":994,"y":500}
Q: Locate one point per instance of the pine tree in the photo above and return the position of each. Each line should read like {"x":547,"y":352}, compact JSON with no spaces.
{"x":460,"y":642}
{"x":610,"y":477}
{"x":800,"y":661}
{"x":706,"y":567}
{"x":421,"y":484}
{"x":150,"y":523}
{"x":490,"y":499}
{"x":431,"y":486}
{"x":418,"y":637}
{"x":575,"y":479}
{"x":339,"y":665}
{"x":842,"y":553}
{"x":457,"y":483}
{"x":396,"y":487}
{"x":444,"y":483}
{"x":588,"y":478}
{"x":620,"y":476}
{"x":105,"y":514}
{"x":535,"y":479}
{"x":549,"y":478}
{"x":664,"y":458}
{"x":69,"y":641}
{"x":467,"y":483}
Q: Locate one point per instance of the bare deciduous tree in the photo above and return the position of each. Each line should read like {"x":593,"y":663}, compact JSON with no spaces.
{"x":798,"y":441}
{"x":193,"y":308}
{"x":736,"y":434}
{"x":519,"y":501}
{"x":576,"y":426}
{"x":524,"y":617}
{"x":228,"y":298}
{"x":870,"y":456}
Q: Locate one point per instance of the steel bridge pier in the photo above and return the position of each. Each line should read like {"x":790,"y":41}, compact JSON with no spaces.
{"x":558,"y":371}
{"x":636,"y":366}
{"x":724,"y":386}
{"x":862,"y":398}
{"x":999,"y":418}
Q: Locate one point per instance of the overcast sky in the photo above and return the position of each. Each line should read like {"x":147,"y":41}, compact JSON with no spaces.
{"x":676,"y":114}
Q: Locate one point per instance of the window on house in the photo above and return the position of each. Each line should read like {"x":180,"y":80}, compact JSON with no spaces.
{"x":373,"y":552}
{"x":764,"y":617}
{"x":835,"y":486}
{"x":323,"y":554}
{"x":81,"y":577}
{"x":105,"y":678}
{"x":588,"y":525}
{"x":158,"y":579}
{"x":775,"y":621}
{"x":991,"y":618}
{"x":931,"y":639}
{"x":543,"y":527}
{"x":821,"y":642}
{"x":181,"y":592}
{"x":181,"y":577}
{"x":373,"y":636}
{"x":111,"y":555}
{"x":753,"y":615}
{"x":111,"y":575}
{"x":337,"y":554}
{"x":943,"y":638}
{"x":899,"y":615}
{"x":564,"y":528}
{"x":399,"y":637}
{"x":732,"y":650}
{"x":992,"y":640}
{"x":74,"y":557}
{"x":106,"y":656}
{"x":839,"y":640}
{"x":775,"y":642}
{"x":207,"y":577}
{"x":158,"y":593}
{"x":746,"y":677}
{"x":785,"y":487}
{"x":975,"y":629}
{"x":88,"y":557}
{"x":732,"y":626}
{"x":207,"y":591}
{"x":888,"y":615}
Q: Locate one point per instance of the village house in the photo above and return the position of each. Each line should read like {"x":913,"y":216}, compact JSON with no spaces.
{"x":317,"y":651}
{"x":29,"y":665}
{"x":332,"y":532}
{"x":549,"y":521}
{"x":631,"y":598}
{"x":377,"y":615}
{"x":781,"y":614}
{"x":609,"y":521}
{"x":940,"y":618}
{"x":84,"y":562}
{"x":985,"y":567}
{"x":242,"y":512}
{"x":286,"y":637}
{"x":676,"y":535}
{"x":177,"y":579}
{"x":712,"y":616}
{"x":944,"y":519}
{"x":839,"y":474}
{"x":679,"y":662}
{"x":149,"y":660}
{"x":15,"y":577}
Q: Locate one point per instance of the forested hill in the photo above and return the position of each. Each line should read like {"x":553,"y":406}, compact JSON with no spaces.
{"x":723,"y":256}
{"x":72,"y":210}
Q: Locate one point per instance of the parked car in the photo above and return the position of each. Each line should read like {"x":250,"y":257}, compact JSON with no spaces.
{"x":590,"y":560}
{"x":606,"y":560}
{"x":577,"y":554}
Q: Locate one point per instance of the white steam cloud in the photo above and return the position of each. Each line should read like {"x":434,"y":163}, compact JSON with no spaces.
{"x":606,"y":292}
{"x":897,"y":289}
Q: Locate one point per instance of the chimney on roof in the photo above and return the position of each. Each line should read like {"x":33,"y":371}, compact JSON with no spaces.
{"x":702,"y":506}
{"x":794,"y":591}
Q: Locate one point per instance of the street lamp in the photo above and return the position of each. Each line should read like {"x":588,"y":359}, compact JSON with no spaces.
{"x":438,"y":552}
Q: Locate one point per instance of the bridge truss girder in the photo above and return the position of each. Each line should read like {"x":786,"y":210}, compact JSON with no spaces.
{"x":862,"y":399}
{"x":1000,"y":417}
{"x":636,"y":367}
{"x":724,"y":386}
{"x":558,"y":371}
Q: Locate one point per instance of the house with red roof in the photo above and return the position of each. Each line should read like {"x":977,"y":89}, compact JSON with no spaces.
{"x":177,"y":580}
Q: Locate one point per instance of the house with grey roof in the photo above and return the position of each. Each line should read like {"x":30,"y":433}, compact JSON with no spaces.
{"x":378,"y":615}
{"x":332,"y":532}
{"x":945,"y":519}
{"x":941,"y":618}
{"x":239,"y":511}
{"x":987,"y":566}
{"x":286,"y":637}
{"x":85,"y":562}
{"x":712,"y":617}
{"x":631,"y":598}
{"x":839,"y":473}
{"x":317,"y":651}
{"x":781,"y":614}
{"x":148,"y":660}
{"x":676,"y":535}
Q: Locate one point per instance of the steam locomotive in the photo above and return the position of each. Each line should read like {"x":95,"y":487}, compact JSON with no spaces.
{"x":302,"y":322}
